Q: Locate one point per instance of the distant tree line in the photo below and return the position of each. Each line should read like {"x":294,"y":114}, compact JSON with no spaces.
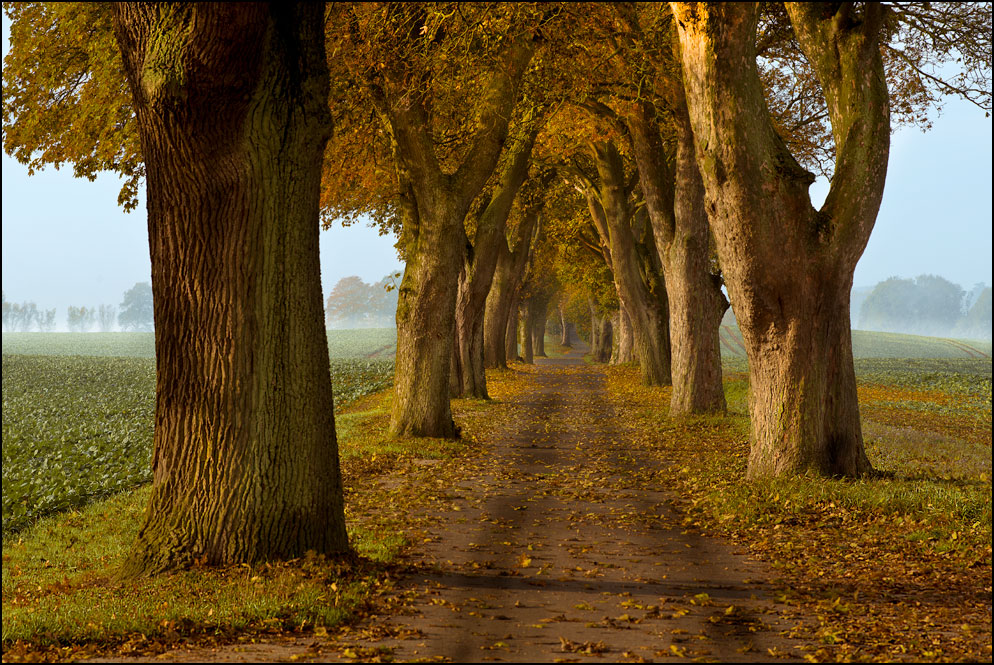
{"x":135,"y":314}
{"x":353,"y":303}
{"x":928,"y":305}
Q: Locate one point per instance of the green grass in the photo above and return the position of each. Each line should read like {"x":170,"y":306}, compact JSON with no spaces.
{"x":59,"y":586}
{"x":79,"y":427}
{"x":882,"y":345}
{"x":60,"y":593}
{"x":360,"y":343}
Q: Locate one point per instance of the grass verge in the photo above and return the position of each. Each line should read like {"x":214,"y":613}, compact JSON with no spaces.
{"x":60,"y":600}
{"x":897,"y":568}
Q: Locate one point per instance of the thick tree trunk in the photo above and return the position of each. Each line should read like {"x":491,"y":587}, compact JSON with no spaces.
{"x":813,"y":377}
{"x":502,"y":300}
{"x":426,"y":325}
{"x":645,"y":302}
{"x":479,"y":264}
{"x":232,"y":111}
{"x":788,"y":267}
{"x":625,"y":352}
{"x":675,"y":204}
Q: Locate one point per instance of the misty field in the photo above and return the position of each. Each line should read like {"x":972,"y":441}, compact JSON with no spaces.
{"x":78,"y":411}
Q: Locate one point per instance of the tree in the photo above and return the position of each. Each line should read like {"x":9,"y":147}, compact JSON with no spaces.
{"x":976,"y":324}
{"x":349,"y":303}
{"x":927,"y":305}
{"x":480,"y":259}
{"x":352,"y":303}
{"x":137,"y":309}
{"x":231,"y":106}
{"x":81,"y":319}
{"x":106,"y":316}
{"x":633,"y":259}
{"x":512,"y":258}
{"x":787,"y":266}
{"x":446,"y":132}
{"x":19,"y":317}
{"x":46,"y":320}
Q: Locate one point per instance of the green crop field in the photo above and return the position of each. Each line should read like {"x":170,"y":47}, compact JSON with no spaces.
{"x":78,"y":411}
{"x":359,"y":343}
{"x":883,"y":345}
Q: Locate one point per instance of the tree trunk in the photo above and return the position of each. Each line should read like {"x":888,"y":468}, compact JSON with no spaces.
{"x":565,"y":339}
{"x":625,"y":352}
{"x":511,"y":329}
{"x":525,"y":332}
{"x":502,"y":300}
{"x":675,"y":204}
{"x":538,"y":327}
{"x":645,"y":303}
{"x":479,"y":264}
{"x":601,"y":336}
{"x":426,"y":323}
{"x":467,"y":377}
{"x":231,"y":103}
{"x":789,"y":267}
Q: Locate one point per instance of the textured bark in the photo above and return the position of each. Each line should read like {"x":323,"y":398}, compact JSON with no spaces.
{"x":231,"y":102}
{"x":675,"y":204}
{"x":511,"y":264}
{"x":479,"y":263}
{"x":433,"y":206}
{"x":601,"y":335}
{"x":639,"y":284}
{"x":789,"y":267}
{"x":625,"y":352}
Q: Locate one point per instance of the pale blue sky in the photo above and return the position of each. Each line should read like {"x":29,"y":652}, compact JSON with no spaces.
{"x":66,"y":242}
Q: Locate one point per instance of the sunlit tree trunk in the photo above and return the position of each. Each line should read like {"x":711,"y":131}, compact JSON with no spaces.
{"x":433,"y":204}
{"x":502,"y":299}
{"x":640,"y":290}
{"x":789,"y":267}
{"x":675,"y":204}
{"x":625,"y":353}
{"x":231,"y":102}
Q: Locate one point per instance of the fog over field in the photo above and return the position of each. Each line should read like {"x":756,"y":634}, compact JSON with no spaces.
{"x":67,"y":243}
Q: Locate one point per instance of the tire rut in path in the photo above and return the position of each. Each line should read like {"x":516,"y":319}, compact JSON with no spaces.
{"x":560,"y":547}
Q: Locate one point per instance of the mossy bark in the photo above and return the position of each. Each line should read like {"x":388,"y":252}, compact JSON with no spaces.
{"x":231,"y":104}
{"x":787,"y":266}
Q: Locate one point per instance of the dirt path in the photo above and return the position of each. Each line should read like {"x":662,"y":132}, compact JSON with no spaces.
{"x":557,"y":549}
{"x":557,"y":545}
